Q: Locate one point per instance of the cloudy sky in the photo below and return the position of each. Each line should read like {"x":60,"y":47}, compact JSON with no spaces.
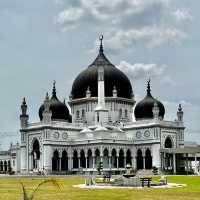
{"x":46,"y":40}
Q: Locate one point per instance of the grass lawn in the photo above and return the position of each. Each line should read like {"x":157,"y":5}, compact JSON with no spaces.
{"x":10,"y":189}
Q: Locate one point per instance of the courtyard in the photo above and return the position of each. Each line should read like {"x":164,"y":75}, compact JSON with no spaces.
{"x":10,"y":189}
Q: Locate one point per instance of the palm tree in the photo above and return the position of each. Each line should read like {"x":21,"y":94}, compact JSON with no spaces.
{"x":25,"y":196}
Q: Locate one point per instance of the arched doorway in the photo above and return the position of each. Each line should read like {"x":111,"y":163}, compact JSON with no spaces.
{"x":128,"y":157}
{"x":55,"y":161}
{"x":82,"y":159}
{"x":64,"y":161}
{"x":114,"y":159}
{"x":36,"y":154}
{"x":121,"y":159}
{"x":90,"y":160}
{"x":105,"y":159}
{"x":168,"y":159}
{"x":97,"y":157}
{"x":168,"y":143}
{"x":139,"y":159}
{"x":75,"y":159}
{"x":148,"y":159}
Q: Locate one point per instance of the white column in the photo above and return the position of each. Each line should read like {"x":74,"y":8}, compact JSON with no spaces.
{"x":86,"y":161}
{"x":174,"y":163}
{"x":144,"y":162}
{"x":23,"y":160}
{"x":109,"y":162}
{"x":93,"y":162}
{"x":117,"y":162}
{"x":195,"y":161}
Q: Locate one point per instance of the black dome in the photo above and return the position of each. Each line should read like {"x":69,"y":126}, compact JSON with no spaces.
{"x":59,"y":110}
{"x":112,"y":77}
{"x":143,"y":109}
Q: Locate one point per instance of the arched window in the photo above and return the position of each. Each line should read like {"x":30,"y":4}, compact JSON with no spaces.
{"x":97,"y":157}
{"x":89,"y":157}
{"x":105,"y":159}
{"x":168,"y":143}
{"x":36,"y":154}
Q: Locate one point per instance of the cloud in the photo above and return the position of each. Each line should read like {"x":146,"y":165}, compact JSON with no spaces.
{"x":69,"y":16}
{"x":141,"y":70}
{"x":167,"y":80}
{"x":182,"y":15}
{"x":150,"y":36}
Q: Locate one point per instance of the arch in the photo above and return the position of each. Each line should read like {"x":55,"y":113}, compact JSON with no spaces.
{"x":82,"y":159}
{"x":121,"y":158}
{"x":9,"y":166}
{"x":5,"y":166}
{"x":64,"y":161}
{"x":168,"y":142}
{"x":83,"y":113}
{"x":89,"y":159}
{"x":105,"y":158}
{"x":148,"y":159}
{"x":55,"y":161}
{"x":120,"y":113}
{"x":126,"y":113}
{"x":36,"y":153}
{"x":97,"y":157}
{"x":1,"y":165}
{"x":139,"y":159}
{"x":114,"y":158}
{"x":128,"y":157}
{"x":75,"y":159}
{"x":77,"y":114}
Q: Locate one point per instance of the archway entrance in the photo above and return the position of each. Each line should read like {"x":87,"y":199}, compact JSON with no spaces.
{"x":121,"y":159}
{"x":128,"y":157}
{"x":36,"y":154}
{"x":114,"y":159}
{"x":105,"y":159}
{"x":82,"y":159}
{"x":89,"y":159}
{"x":64,"y":161}
{"x":139,"y":159}
{"x":75,"y":160}
{"x":55,"y":161}
{"x":97,"y":157}
{"x":148,"y":159}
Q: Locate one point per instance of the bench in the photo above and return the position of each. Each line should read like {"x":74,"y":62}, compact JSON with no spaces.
{"x":146,"y":180}
{"x":106,"y":177}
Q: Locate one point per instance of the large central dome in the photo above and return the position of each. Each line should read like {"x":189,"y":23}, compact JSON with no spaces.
{"x":113,"y":77}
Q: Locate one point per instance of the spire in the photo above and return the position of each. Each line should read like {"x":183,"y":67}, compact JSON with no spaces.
{"x":54,"y":89}
{"x":101,"y":44}
{"x":24,"y":107}
{"x":149,"y":87}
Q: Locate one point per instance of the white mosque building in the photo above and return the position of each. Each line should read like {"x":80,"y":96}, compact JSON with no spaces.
{"x":100,"y":128}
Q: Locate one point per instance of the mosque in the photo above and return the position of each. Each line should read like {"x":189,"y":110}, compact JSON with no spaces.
{"x":99,"y":127}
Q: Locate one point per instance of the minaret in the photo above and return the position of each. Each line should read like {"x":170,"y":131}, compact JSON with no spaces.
{"x":101,"y":115}
{"x":24,"y":117}
{"x":180,"y":113}
{"x":88,"y":92}
{"x":47,"y":112}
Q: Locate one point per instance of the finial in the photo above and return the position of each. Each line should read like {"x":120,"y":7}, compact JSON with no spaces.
{"x":101,"y":43}
{"x":47,"y":96}
{"x":149,"y":86}
{"x":179,"y":107}
{"x":54,"y":89}
{"x":24,"y":101}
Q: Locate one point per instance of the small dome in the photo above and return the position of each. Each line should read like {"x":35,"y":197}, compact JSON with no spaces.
{"x":59,"y":110}
{"x":143,"y":109}
{"x":113,"y":77}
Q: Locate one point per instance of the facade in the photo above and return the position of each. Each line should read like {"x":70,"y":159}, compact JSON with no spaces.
{"x":10,"y":160}
{"x":100,"y":127}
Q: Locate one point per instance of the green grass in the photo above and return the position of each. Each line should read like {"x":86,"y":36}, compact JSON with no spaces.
{"x":10,"y":189}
